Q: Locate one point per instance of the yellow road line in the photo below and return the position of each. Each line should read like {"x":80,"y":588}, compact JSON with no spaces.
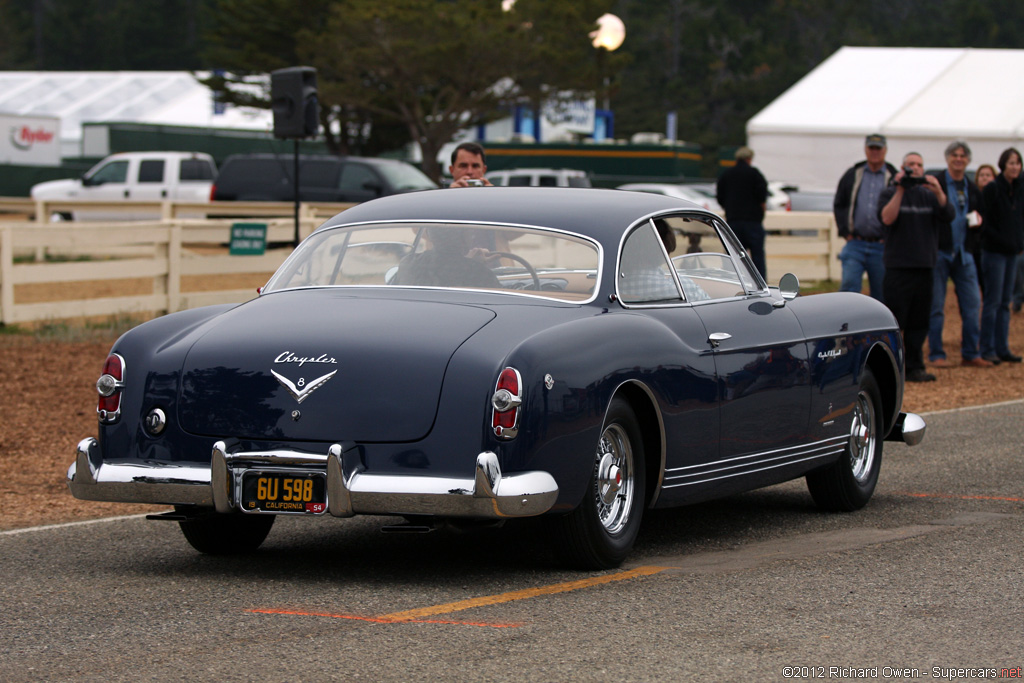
{"x":470,"y":603}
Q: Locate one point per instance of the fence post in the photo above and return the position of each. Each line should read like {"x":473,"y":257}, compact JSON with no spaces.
{"x":6,"y":275}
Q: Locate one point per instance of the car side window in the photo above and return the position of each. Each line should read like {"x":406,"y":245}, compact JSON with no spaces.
{"x":356,"y":177}
{"x":644,"y":275}
{"x":114,"y":172}
{"x":702,"y":260}
{"x":151,"y":171}
{"x":319,"y":173}
{"x":195,"y":170}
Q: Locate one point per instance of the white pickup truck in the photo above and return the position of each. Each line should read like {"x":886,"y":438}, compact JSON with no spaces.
{"x":136,"y":177}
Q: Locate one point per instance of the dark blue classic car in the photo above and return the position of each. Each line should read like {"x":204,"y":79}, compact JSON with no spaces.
{"x":458,"y":356}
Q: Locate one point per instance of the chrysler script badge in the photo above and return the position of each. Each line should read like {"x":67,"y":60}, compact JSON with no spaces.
{"x":302,"y":389}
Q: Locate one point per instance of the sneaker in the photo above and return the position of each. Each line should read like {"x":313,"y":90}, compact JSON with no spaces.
{"x":920,"y":376}
{"x":940,"y":363}
{"x":993,"y":359}
{"x":1010,"y":358}
{"x":976,"y":363}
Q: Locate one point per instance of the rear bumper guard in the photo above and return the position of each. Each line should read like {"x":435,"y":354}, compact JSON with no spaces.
{"x":488,"y":494}
{"x":909,"y":429}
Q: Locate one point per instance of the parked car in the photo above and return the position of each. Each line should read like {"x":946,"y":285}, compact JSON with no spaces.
{"x":540,"y":177}
{"x":687,"y":192}
{"x":573,"y":368}
{"x":811,"y":201}
{"x":134,"y":176}
{"x":322,"y":178}
{"x":778,"y":197}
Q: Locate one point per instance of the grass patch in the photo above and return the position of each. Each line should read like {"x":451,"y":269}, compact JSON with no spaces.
{"x":99,"y":329}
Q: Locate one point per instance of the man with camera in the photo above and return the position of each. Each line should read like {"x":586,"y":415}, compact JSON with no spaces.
{"x":955,"y":261}
{"x":469,"y":164}
{"x":856,"y":212}
{"x":914,"y":210}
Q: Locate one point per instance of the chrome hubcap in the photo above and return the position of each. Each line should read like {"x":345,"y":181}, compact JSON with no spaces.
{"x":613,"y":478}
{"x":862,"y":438}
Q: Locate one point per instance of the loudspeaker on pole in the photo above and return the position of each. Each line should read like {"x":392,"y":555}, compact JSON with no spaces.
{"x":294,"y":101}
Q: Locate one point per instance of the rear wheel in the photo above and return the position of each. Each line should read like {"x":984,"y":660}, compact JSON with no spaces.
{"x":848,"y":483}
{"x":226,"y":534}
{"x":600,"y":532}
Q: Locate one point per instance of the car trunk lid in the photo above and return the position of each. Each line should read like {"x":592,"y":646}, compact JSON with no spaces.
{"x":324,"y":366}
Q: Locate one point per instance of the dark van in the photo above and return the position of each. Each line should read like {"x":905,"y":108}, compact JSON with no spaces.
{"x":269,"y":177}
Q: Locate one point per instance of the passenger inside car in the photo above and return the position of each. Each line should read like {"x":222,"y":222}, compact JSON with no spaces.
{"x":446,"y":262}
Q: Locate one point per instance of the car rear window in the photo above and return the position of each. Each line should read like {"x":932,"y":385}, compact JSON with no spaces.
{"x":195,"y":170}
{"x":506,"y":259}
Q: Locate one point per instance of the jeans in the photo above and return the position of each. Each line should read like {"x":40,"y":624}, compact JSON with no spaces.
{"x":1018,"y":285}
{"x":968,"y":296}
{"x":999,"y":271}
{"x":751,"y":236}
{"x":857,"y":258}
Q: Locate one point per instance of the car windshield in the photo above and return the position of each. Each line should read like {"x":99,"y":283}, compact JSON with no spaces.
{"x":445,"y":255}
{"x":404,"y":177}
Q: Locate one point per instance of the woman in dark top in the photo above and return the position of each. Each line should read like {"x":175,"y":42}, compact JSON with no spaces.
{"x":1002,"y":241}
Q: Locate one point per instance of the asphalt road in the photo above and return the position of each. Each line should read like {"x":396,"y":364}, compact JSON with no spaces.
{"x":928,"y":579}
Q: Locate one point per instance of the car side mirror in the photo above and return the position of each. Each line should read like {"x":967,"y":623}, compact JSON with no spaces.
{"x":87,"y":181}
{"x":374,"y":187}
{"x":789,"y":285}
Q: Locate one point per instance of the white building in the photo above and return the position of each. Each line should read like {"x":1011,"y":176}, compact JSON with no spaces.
{"x":919,"y":98}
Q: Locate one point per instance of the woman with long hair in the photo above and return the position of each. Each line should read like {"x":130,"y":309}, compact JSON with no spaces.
{"x":1002,"y":241}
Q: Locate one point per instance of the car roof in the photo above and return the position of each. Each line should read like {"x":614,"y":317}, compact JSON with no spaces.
{"x":599,"y":213}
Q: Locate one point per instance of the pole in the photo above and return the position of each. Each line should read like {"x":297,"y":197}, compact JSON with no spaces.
{"x":296,"y":194}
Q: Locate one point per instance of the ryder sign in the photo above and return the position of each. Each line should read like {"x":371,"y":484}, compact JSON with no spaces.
{"x":29,"y":140}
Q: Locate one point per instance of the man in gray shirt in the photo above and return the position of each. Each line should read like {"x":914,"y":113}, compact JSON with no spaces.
{"x":856,"y":212}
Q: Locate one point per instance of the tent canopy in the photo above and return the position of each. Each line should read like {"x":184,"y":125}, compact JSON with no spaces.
{"x":158,"y":97}
{"x":920,"y":98}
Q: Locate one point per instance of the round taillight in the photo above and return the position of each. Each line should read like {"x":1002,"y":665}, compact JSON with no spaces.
{"x":109,"y":387}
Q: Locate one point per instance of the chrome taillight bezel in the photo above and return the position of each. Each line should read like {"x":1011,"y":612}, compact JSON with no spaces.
{"x":505,"y":403}
{"x":109,"y":388}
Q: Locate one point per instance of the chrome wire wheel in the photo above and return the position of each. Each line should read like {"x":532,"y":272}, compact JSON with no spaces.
{"x":863,"y":438}
{"x":614,"y":478}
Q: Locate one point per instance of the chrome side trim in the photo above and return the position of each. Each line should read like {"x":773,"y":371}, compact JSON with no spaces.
{"x":755,"y":462}
{"x":488,"y":493}
{"x":909,"y":429}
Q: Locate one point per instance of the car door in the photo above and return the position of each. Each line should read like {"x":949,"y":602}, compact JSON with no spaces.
{"x":761,"y":356}
{"x":109,"y":182}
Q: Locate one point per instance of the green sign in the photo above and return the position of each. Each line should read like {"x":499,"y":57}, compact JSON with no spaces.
{"x":248,"y":239}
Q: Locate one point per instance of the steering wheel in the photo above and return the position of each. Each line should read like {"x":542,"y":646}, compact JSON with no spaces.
{"x":526,"y":264}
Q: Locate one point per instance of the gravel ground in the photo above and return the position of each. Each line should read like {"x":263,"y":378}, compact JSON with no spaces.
{"x":50,"y":400}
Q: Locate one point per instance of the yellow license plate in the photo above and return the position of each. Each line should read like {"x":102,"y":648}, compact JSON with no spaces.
{"x":303,"y":493}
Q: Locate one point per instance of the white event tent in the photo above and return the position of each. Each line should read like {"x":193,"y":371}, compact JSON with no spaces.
{"x":154,"y":97}
{"x":921,"y":99}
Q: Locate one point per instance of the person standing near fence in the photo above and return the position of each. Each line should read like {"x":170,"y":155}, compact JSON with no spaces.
{"x":956,"y":261}
{"x":856,"y":211}
{"x":743,"y":193}
{"x":1002,"y":241}
{"x":913,"y":209}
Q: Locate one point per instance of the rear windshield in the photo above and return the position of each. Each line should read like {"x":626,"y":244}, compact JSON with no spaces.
{"x":447,"y":256}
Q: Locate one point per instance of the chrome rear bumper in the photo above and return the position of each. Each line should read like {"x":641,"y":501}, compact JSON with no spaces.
{"x":487,"y":494}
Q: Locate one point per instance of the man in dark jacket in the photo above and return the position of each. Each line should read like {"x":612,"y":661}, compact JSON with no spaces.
{"x":955,"y":261}
{"x":743,"y":192}
{"x":856,"y":211}
{"x":914,"y":209}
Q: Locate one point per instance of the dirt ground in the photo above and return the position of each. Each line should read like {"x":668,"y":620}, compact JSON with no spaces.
{"x":49,"y":397}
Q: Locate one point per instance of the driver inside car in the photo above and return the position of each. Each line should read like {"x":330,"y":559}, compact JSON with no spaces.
{"x":451,"y":260}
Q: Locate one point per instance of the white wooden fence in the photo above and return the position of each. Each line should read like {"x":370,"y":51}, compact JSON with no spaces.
{"x":79,"y":256}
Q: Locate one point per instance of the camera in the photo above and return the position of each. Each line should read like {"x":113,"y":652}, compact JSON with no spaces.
{"x":909,"y":181}
{"x":474,"y":182}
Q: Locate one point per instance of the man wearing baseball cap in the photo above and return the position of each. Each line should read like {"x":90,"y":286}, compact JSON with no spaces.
{"x":856,"y":212}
